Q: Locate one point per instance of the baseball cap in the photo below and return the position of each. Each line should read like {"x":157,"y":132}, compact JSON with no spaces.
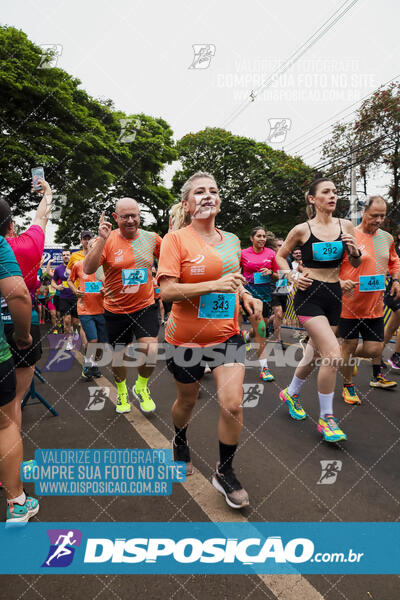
{"x":86,"y":234}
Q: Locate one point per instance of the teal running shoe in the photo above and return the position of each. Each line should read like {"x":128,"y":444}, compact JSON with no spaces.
{"x":296,"y":410}
{"x":21,"y":513}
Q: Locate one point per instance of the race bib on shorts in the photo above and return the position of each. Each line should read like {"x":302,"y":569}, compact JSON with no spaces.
{"x":134,"y":276}
{"x":372,"y":283}
{"x":260,"y":278}
{"x":93,"y":287}
{"x":217,"y":306}
{"x":327,"y":250}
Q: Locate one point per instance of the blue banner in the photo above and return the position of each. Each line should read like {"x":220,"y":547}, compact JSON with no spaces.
{"x":201,"y":548}
{"x":89,"y":472}
{"x":55,"y":254}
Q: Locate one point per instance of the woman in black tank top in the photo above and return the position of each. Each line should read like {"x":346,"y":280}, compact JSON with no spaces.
{"x":318,"y":299}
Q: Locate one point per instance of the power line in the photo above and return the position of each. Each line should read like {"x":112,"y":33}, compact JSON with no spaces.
{"x":314,"y":150}
{"x":293,"y":145}
{"x":355,"y":149}
{"x":359,"y":162}
{"x":294,"y":57}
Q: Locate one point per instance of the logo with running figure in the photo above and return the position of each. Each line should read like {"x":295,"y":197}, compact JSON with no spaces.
{"x":252,"y":393}
{"x":329,"y":471}
{"x":278,"y":129}
{"x":98,"y":397}
{"x":203,"y":53}
{"x":63,"y":543}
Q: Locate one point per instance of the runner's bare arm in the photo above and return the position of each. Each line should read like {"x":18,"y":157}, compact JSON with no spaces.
{"x":173,"y":291}
{"x":44,"y":209}
{"x":349,"y":238}
{"x":74,"y":289}
{"x":92,"y":259}
{"x":13,"y":289}
{"x":55,"y":285}
{"x":294,"y":238}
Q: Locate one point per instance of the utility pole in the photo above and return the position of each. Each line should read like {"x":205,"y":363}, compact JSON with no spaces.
{"x":353,"y":191}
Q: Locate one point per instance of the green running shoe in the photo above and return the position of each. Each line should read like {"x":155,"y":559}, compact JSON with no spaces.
{"x":146,"y":402}
{"x":123,"y":404}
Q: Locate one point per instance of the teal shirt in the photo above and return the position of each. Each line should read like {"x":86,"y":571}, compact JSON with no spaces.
{"x":8,"y":268}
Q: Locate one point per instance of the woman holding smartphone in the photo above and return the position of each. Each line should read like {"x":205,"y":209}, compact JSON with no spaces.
{"x":318,"y":300}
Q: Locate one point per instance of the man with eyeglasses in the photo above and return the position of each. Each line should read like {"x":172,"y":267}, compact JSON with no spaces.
{"x":127,"y":255}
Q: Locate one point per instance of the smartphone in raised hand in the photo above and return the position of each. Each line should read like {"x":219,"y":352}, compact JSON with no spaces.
{"x":36,"y":173}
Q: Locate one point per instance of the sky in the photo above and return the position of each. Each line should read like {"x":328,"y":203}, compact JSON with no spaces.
{"x":147,"y":57}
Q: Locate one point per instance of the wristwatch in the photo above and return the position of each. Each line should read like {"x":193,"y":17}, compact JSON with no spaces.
{"x":396,"y":279}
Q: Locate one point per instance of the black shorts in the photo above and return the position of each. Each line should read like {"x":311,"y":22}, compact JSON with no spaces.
{"x":167,"y":306}
{"x":123,"y":327}
{"x":319,"y":299}
{"x":371,"y":330}
{"x":56,"y":301}
{"x":390,"y":301}
{"x":29,"y":357}
{"x":8,"y":382}
{"x":187,"y":365}
{"x":68,"y":307}
{"x":279,"y":300}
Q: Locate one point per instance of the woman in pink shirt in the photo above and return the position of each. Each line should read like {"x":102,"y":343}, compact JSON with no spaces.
{"x":258,"y":265}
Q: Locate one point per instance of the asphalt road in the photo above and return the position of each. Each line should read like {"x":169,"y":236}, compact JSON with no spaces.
{"x":278,"y":462}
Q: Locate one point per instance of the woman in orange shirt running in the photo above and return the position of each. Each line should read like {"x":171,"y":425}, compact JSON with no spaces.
{"x":199,"y":271}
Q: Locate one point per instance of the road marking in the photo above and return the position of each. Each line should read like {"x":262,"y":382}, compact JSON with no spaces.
{"x":284,"y":587}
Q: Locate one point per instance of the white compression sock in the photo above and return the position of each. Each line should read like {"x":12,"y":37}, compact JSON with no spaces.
{"x":325,"y":404}
{"x":295,"y":385}
{"x":263,"y":363}
{"x":18,"y":500}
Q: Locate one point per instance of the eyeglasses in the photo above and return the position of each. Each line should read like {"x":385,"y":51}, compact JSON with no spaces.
{"x":126,"y":217}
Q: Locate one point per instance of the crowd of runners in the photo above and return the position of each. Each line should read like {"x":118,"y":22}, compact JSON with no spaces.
{"x":216,"y":301}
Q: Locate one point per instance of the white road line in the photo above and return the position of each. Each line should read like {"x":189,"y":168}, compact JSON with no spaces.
{"x":284,"y":587}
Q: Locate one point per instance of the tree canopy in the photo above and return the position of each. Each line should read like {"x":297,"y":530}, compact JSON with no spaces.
{"x":371,"y":142}
{"x":49,"y":120}
{"x":258,"y":185}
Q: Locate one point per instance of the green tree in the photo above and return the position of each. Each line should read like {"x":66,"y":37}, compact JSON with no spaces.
{"x":48,"y":119}
{"x":370,"y":142}
{"x":258,"y":185}
{"x":379,"y":121}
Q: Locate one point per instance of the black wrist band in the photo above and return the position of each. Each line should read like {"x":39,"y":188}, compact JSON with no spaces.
{"x":358,"y":255}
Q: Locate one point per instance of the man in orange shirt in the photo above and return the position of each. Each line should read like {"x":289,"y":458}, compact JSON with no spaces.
{"x":362,"y":302}
{"x":127,"y":255}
